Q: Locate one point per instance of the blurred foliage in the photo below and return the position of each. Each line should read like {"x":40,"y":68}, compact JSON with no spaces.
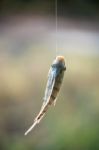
{"x":73,"y":8}
{"x":73,"y":124}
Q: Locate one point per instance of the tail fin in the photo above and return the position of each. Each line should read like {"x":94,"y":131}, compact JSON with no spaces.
{"x":36,"y":121}
{"x":38,"y":118}
{"x":33,"y":125}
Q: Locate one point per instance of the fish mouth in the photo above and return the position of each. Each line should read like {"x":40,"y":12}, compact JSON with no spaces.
{"x":60,"y":59}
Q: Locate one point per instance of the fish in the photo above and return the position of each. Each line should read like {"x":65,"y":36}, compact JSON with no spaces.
{"x":55,"y":78}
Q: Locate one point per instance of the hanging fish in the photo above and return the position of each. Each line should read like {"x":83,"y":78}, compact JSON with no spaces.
{"x":55,"y":78}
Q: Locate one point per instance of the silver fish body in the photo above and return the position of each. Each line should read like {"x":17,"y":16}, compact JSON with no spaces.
{"x":55,"y":78}
{"x":56,"y":75}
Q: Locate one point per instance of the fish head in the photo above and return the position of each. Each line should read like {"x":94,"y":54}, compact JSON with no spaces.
{"x":58,"y":65}
{"x":60,"y":62}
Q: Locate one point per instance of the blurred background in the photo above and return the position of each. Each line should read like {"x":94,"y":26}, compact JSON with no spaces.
{"x":27,"y":49}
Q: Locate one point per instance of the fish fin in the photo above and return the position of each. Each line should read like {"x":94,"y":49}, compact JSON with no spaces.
{"x":55,"y":102}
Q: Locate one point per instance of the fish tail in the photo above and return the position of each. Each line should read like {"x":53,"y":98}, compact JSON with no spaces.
{"x":37,"y":119}
{"x":31,"y":128}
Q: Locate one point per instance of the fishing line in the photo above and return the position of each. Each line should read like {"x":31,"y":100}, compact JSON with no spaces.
{"x":56,"y":26}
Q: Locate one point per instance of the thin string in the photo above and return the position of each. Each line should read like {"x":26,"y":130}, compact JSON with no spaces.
{"x":56,"y":24}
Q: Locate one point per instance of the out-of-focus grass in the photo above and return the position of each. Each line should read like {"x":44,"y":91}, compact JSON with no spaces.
{"x":73,"y":124}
